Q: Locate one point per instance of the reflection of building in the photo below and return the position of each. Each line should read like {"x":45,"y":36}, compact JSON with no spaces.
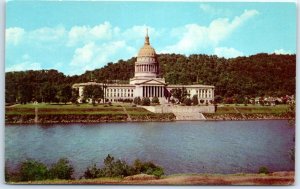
{"x":147,"y":83}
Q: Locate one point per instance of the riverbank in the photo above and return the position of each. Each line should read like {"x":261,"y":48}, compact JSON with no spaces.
{"x":245,"y":117}
{"x":87,"y":113}
{"x":276,"y":178}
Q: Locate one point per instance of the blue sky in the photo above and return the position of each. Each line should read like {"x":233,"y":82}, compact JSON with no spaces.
{"x":73,"y":37}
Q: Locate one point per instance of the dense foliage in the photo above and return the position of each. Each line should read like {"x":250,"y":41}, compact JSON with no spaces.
{"x":119,"y":168}
{"x":256,"y":75}
{"x":31,"y":170}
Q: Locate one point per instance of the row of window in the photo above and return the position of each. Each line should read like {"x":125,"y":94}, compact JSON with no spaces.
{"x":119,"y":95}
{"x":119,"y":90}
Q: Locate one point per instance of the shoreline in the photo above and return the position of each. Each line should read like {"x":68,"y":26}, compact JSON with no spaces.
{"x":275,"y":178}
{"x":84,"y":119}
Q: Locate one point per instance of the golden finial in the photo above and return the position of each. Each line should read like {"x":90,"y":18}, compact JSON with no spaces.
{"x":147,"y":42}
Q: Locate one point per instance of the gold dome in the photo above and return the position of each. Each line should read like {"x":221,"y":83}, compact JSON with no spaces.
{"x":147,"y":50}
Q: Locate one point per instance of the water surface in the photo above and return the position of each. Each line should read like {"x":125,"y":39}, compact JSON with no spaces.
{"x":179,"y":147}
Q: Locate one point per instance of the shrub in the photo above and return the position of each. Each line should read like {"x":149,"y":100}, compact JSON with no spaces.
{"x":187,"y":101}
{"x":195,"y":100}
{"x":147,"y":168}
{"x":92,"y":172}
{"x":173,"y":101}
{"x":32,"y":170}
{"x":155,"y":100}
{"x":119,"y":168}
{"x":263,"y":170}
{"x":146,"y":101}
{"x":158,"y":172}
{"x":218,"y":99}
{"x":201,"y":101}
{"x":137,"y":100}
{"x":61,"y":170}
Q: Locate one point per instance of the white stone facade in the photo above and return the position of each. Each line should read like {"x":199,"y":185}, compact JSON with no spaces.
{"x":147,"y":83}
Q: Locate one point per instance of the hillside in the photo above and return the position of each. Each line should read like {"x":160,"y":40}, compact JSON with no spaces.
{"x":256,"y":75}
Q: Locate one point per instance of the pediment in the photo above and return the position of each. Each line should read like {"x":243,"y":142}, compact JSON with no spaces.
{"x":152,"y":82}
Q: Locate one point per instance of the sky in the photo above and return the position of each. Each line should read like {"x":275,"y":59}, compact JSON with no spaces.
{"x":73,"y":37}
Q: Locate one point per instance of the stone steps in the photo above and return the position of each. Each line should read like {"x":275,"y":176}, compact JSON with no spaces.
{"x":189,"y":116}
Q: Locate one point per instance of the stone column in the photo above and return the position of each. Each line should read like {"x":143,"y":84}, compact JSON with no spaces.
{"x":147,"y":91}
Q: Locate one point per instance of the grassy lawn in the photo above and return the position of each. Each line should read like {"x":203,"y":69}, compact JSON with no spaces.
{"x":252,"y":109}
{"x":43,"y":108}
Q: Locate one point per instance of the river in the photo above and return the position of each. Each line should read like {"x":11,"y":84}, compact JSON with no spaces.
{"x":179,"y":147}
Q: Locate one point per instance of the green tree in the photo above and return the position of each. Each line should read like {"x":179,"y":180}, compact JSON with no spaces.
{"x":93,"y":172}
{"x":32,"y":170}
{"x":93,"y":92}
{"x":49,"y":93}
{"x":75,"y":95}
{"x":65,"y":94}
{"x":98,"y":93}
{"x":61,"y":170}
{"x":179,"y":93}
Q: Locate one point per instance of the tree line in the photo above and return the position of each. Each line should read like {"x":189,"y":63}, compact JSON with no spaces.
{"x":253,"y":76}
{"x":32,"y":170}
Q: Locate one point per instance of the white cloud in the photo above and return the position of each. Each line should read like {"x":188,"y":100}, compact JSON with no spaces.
{"x":27,"y":65}
{"x":92,"y":56}
{"x":282,"y":51}
{"x":227,"y":52}
{"x":47,"y":34}
{"x":208,"y":9}
{"x":88,"y":34}
{"x":194,"y":37}
{"x":14,"y":35}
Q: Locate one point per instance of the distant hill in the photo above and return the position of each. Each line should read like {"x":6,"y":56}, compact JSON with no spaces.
{"x":256,"y":75}
{"x":260,"y":74}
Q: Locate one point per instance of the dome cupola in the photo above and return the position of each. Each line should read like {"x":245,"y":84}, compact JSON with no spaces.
{"x":147,"y":50}
{"x":146,"y":65}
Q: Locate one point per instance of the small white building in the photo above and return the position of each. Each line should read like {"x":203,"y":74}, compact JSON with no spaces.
{"x":147,"y":83}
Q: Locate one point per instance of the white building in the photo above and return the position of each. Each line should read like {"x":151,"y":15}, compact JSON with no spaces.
{"x":147,"y":83}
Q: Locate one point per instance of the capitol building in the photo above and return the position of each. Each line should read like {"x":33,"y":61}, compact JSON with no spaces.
{"x":147,"y":83}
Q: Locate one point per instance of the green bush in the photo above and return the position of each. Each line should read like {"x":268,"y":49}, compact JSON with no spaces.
{"x":32,"y":170}
{"x":61,"y":170}
{"x":155,"y":100}
{"x":147,"y":168}
{"x":146,"y":101}
{"x":92,"y":172}
{"x":158,"y":172}
{"x":187,"y":101}
{"x":137,"y":100}
{"x":195,"y":100}
{"x":119,"y":168}
{"x":263,"y":170}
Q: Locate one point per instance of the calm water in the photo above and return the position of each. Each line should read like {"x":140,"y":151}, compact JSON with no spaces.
{"x":180,"y":147}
